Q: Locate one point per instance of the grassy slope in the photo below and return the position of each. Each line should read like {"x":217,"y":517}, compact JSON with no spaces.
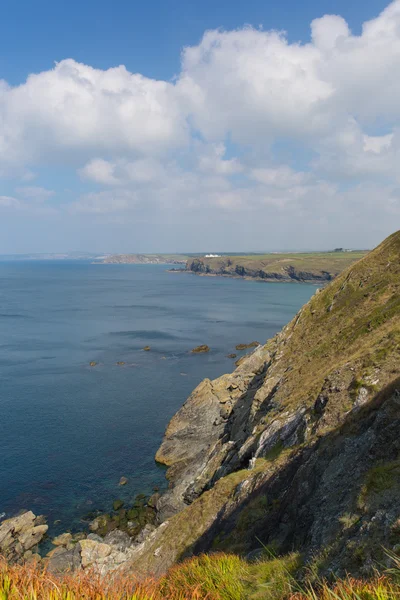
{"x":356,"y":318}
{"x":214,"y":577}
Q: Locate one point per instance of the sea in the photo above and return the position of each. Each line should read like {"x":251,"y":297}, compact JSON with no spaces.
{"x":69,"y":431}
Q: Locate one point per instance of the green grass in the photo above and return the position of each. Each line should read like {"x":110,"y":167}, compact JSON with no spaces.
{"x":378,"y":480}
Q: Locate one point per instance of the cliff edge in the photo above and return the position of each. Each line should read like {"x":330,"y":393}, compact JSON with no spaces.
{"x":298,"y":448}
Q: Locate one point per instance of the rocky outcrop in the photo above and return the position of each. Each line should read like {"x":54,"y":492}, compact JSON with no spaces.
{"x":20,"y":536}
{"x":284,"y":450}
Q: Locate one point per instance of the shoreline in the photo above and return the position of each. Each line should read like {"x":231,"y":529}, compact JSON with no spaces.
{"x":250,"y":278}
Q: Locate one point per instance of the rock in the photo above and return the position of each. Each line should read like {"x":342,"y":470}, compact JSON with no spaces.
{"x":93,"y":363}
{"x":146,"y":348}
{"x":201,"y":349}
{"x":92,"y":552}
{"x":117,"y":504}
{"x":64,"y":561}
{"x":120,"y":363}
{"x":94,"y":537}
{"x":33,"y":536}
{"x":231,"y":356}
{"x":62,"y":540}
{"x":20,"y":534}
{"x":118,"y":539}
{"x":99,"y":523}
{"x":152,"y":501}
{"x":246,"y":346}
{"x":123,"y":481}
{"x":32,"y":557}
{"x":144,"y":533}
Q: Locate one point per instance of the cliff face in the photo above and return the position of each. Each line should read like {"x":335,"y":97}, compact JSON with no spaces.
{"x":298,"y":448}
{"x":314,"y":267}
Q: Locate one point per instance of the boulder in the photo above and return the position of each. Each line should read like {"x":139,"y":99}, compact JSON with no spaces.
{"x":20,"y":534}
{"x":246,"y":346}
{"x":62,"y":540}
{"x":117,"y":504}
{"x":201,"y":349}
{"x":32,"y":537}
{"x":118,"y":540}
{"x":64,"y":561}
{"x":93,"y":552}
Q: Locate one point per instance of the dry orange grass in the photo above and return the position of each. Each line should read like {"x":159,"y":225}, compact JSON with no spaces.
{"x":208,"y":577}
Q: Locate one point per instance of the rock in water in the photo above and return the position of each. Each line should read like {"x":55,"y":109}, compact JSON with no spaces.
{"x":123,"y":481}
{"x":93,"y":363}
{"x":146,"y":348}
{"x":246,"y":346}
{"x":201,"y":349}
{"x":62,"y":540}
{"x":117,"y":504}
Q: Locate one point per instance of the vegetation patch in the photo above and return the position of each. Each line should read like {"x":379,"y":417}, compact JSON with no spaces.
{"x":379,"y":480}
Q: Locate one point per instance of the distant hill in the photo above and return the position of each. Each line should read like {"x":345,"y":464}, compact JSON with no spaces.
{"x":122,"y":259}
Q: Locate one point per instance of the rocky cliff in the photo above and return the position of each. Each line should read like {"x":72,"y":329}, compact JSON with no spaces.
{"x":311,"y":267}
{"x":298,"y":448}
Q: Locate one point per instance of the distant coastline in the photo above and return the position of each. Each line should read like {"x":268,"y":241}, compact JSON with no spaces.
{"x":318,"y":267}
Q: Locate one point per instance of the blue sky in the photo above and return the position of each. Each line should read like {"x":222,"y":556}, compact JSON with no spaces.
{"x":244,"y":140}
{"x":148,"y":36}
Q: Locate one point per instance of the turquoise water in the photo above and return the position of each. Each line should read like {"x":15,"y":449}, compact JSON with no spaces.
{"x":68,"y":432}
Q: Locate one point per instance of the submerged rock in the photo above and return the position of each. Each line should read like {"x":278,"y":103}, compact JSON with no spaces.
{"x":123,"y":481}
{"x":92,"y":363}
{"x":201,"y":349}
{"x":117,"y":504}
{"x":246,"y":346}
{"x":147,"y":348}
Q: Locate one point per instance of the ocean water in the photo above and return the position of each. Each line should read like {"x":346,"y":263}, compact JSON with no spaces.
{"x":68,"y":431}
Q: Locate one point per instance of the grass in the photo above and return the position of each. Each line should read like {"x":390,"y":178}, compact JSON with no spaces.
{"x":378,"y":480}
{"x":207,"y":577}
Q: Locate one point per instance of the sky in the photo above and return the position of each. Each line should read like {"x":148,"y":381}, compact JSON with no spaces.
{"x":182,"y":126}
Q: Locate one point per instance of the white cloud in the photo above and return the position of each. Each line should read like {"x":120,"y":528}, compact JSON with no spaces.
{"x":252,"y":123}
{"x":77,"y":110}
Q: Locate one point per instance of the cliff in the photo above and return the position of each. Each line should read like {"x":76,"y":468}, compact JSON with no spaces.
{"x":311,"y":267}
{"x":297,"y":449}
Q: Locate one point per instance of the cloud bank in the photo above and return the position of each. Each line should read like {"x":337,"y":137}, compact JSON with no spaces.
{"x":253,"y":129}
